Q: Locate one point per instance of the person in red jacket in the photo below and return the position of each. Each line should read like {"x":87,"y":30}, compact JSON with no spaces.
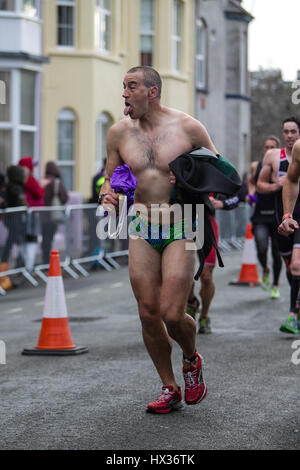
{"x":34,"y":194}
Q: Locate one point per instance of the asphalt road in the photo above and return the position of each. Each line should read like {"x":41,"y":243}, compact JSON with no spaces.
{"x":97,"y":400}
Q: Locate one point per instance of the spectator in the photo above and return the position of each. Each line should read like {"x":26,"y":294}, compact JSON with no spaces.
{"x":97,"y":182}
{"x":15,"y":222}
{"x":55,"y":194}
{"x":34,"y":194}
{"x":3,"y":201}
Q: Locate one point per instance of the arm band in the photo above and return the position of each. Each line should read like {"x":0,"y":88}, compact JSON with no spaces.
{"x":287,"y":216}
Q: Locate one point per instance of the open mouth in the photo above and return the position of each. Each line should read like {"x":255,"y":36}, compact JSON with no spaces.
{"x":127,"y":109}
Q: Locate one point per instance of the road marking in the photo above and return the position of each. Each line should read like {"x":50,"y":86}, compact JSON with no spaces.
{"x":40,"y":303}
{"x":96,"y":290}
{"x":15,"y":310}
{"x":116,"y":285}
{"x":72,"y":295}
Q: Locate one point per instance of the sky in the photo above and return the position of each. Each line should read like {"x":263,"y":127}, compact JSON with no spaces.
{"x":274,"y":35}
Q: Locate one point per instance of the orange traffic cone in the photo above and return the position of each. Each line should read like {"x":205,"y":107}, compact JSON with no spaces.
{"x":55,"y":336}
{"x":248,"y":273}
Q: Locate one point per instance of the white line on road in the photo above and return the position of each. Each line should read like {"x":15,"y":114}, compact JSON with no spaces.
{"x":15,"y":310}
{"x":116,"y":285}
{"x":72,"y":295}
{"x":96,"y":290}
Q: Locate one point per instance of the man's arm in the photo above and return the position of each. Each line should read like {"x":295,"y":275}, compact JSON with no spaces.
{"x":113,"y":161}
{"x":263,"y":185}
{"x":290,"y":192}
{"x":198,"y":134}
{"x":252,"y":182}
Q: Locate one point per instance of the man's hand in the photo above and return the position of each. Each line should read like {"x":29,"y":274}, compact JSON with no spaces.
{"x":287,"y":227}
{"x":281,"y":180}
{"x":172,"y":178}
{"x":109,"y":200}
{"x":216,"y":203}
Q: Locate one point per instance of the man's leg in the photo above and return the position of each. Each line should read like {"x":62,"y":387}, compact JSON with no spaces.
{"x":177,"y":276}
{"x":277,"y":262}
{"x":207,"y":292}
{"x":261,"y":236}
{"x":178,"y":265}
{"x":290,"y":325}
{"x":145,"y":277}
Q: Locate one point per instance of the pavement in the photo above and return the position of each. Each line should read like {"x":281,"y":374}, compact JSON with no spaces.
{"x":97,"y":401}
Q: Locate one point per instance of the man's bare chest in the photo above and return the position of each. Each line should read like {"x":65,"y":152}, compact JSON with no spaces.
{"x":142,"y":151}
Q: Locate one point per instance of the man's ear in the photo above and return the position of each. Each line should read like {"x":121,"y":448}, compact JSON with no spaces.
{"x":153,"y":92}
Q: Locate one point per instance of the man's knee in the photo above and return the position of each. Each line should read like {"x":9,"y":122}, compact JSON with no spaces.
{"x":148,"y":311}
{"x":207,"y":277}
{"x":295,"y":267}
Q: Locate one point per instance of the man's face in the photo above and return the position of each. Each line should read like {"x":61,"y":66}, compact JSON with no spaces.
{"x":269,"y":145}
{"x":290,"y":134}
{"x":136,"y":95}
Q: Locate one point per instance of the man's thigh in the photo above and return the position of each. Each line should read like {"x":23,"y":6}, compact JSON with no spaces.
{"x":178,"y":266}
{"x":144,"y":270}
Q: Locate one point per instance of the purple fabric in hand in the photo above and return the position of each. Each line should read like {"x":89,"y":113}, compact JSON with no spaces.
{"x":124,"y":182}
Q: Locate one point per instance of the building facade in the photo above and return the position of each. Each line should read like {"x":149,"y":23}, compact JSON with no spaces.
{"x":79,"y":52}
{"x":222,"y":90}
{"x":21,"y":64}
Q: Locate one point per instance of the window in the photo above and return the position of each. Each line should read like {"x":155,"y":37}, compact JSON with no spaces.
{"x":201,"y":54}
{"x":26,"y":7}
{"x":5,"y":149}
{"x":104,"y":122}
{"x":5,"y":123}
{"x":177,"y":35}
{"x":65,"y":22}
{"x":29,"y":7}
{"x":27,"y":118}
{"x":147,"y":22}
{"x":103,"y":25}
{"x":5,"y":79}
{"x":7,"y":5}
{"x":19,"y":116}
{"x":66,"y":146}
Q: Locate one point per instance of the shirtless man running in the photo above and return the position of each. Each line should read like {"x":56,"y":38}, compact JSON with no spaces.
{"x":161,"y":275}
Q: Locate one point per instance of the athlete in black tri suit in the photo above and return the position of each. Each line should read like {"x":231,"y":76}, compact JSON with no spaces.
{"x":265,"y":226}
{"x":271,"y":178}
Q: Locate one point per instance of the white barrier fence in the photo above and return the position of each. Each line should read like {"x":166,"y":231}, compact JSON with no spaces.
{"x":27,"y":236}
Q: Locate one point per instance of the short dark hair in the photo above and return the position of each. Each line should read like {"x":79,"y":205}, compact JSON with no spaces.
{"x":292,"y":119}
{"x":151,"y":76}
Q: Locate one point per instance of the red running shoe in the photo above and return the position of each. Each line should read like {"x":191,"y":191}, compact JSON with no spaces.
{"x":195,"y":387}
{"x":167,"y":401}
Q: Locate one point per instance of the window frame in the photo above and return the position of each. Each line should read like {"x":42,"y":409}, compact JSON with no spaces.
{"x":103,"y":118}
{"x":14,"y":125}
{"x":148,"y":33}
{"x":18,"y":10}
{"x":177,"y":40}
{"x":102,"y":13}
{"x":67,"y":114}
{"x":70,"y":4}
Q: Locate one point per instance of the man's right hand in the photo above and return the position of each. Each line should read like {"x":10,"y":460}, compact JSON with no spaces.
{"x":288,"y":226}
{"x":110,"y":199}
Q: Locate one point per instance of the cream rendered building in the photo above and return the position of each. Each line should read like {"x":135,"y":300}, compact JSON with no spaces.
{"x":91,"y":44}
